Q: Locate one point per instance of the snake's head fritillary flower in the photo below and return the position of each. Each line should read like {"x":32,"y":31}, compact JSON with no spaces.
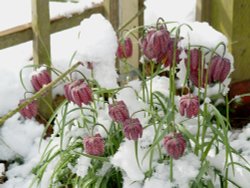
{"x":198,"y":78}
{"x":195,"y":59}
{"x":39,"y":78}
{"x":155,"y":44}
{"x":125,"y":48}
{"x":189,"y":105}
{"x":30,"y":110}
{"x":174,"y":145}
{"x":172,"y":51}
{"x":94,"y":145}
{"x":218,"y":69}
{"x":118,"y":111}
{"x":132,"y":129}
{"x":78,"y":92}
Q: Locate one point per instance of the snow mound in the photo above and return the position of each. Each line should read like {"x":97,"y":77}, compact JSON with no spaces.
{"x":12,"y":136}
{"x":99,"y":49}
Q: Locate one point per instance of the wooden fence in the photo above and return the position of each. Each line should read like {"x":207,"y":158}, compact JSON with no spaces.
{"x":41,"y":27}
{"x":228,"y":16}
{"x":231,"y":17}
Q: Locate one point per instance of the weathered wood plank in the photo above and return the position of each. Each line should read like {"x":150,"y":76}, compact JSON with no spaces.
{"x":240,"y":40}
{"x":41,"y":31}
{"x":15,"y":35}
{"x":129,"y":10}
{"x":61,"y":23}
{"x":111,"y":12}
{"x":203,"y":10}
{"x":231,"y":17}
{"x":23,"y":33}
{"x":41,"y":48}
{"x":221,"y":16}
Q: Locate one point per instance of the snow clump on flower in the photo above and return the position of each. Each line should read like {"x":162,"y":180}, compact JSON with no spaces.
{"x":98,"y":45}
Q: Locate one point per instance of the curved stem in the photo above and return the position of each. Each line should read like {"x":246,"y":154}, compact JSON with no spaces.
{"x":38,"y":94}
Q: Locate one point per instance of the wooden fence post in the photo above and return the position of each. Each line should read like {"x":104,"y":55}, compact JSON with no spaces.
{"x":231,"y":17}
{"x":240,"y":40}
{"x":130,"y":9}
{"x":111,"y":12}
{"x":41,"y":47}
{"x":203,"y":10}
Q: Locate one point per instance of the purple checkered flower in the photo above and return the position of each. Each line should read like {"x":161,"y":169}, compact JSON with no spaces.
{"x":125,"y":48}
{"x":218,"y":69}
{"x":94,"y":145}
{"x":40,"y":78}
{"x":132,"y":129}
{"x":174,"y":145}
{"x":189,"y":105}
{"x":118,"y":111}
{"x":78,"y":92}
{"x":155,"y":44}
{"x":30,"y":110}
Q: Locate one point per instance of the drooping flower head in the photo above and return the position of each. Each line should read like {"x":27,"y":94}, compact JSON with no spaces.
{"x":195,"y":59}
{"x":118,"y":111}
{"x":39,"y":78}
{"x":29,"y":110}
{"x":90,"y":66}
{"x":132,"y":129}
{"x":218,"y":69}
{"x":155,"y":44}
{"x":197,"y":70}
{"x":94,"y":145}
{"x":78,"y":92}
{"x":172,"y":51}
{"x":125,"y":48}
{"x":174,"y":145}
{"x":189,"y":105}
{"x":198,"y":78}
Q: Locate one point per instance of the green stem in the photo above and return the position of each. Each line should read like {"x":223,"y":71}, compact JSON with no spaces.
{"x":171,"y":174}
{"x":38,"y":94}
{"x":136,"y":155}
{"x":151,"y":85}
{"x":131,"y":19}
{"x":143,"y":82}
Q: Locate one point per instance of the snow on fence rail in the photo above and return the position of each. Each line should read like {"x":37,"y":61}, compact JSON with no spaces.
{"x":39,"y":31}
{"x":41,"y":27}
{"x":230,"y":17}
{"x":24,"y":33}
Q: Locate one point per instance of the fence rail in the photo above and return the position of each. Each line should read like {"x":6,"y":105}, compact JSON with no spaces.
{"x":24,"y":33}
{"x":41,"y":27}
{"x":231,"y":17}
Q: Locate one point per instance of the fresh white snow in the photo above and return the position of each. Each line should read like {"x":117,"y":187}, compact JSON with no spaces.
{"x":97,"y":44}
{"x":99,"y":49}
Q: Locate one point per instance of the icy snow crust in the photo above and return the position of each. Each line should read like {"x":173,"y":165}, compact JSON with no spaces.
{"x":20,"y":138}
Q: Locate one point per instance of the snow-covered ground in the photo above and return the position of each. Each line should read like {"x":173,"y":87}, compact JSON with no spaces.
{"x":19,"y":138}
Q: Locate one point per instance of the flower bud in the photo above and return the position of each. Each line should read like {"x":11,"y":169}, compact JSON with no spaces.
{"x":39,"y":78}
{"x":195,"y":59}
{"x":198,"y":80}
{"x":155,"y":44}
{"x":125,"y":49}
{"x":218,"y":69}
{"x":90,"y":66}
{"x":132,"y":129}
{"x":174,"y":145}
{"x":118,"y":111}
{"x":78,"y":92}
{"x":30,"y":110}
{"x":189,"y":105}
{"x":68,"y":87}
{"x":169,"y":56}
{"x":94,"y":145}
